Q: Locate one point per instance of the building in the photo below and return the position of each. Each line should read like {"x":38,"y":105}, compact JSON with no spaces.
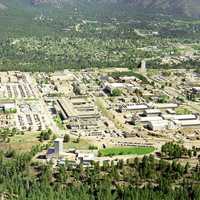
{"x":145,"y":120}
{"x":58,"y":146}
{"x":196,"y":90}
{"x":7,"y":106}
{"x":179,"y":117}
{"x":158,"y":125}
{"x":171,"y":111}
{"x":50,"y":153}
{"x":112,"y":86}
{"x":188,"y":123}
{"x":152,"y":112}
{"x":194,"y":93}
{"x":86,"y":159}
{"x":133,"y":107}
{"x":165,"y":106}
{"x":78,"y":113}
{"x":142,"y":66}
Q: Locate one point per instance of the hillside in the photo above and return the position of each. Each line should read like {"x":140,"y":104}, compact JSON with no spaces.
{"x":173,"y":7}
{"x":58,"y":34}
{"x":183,"y":8}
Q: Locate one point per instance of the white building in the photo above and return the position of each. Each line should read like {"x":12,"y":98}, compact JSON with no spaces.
{"x":152,"y":112}
{"x":179,"y":117}
{"x":187,"y":123}
{"x":8,"y":106}
{"x":165,"y":105}
{"x":158,"y":125}
{"x":133,"y":107}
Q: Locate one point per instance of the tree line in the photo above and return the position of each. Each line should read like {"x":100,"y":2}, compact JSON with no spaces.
{"x":139,"y":179}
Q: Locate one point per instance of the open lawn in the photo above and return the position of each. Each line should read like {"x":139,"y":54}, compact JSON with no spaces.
{"x":73,"y":144}
{"x":126,"y":151}
{"x":21,"y":142}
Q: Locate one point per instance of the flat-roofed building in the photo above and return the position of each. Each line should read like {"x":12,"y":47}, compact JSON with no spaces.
{"x":184,"y":117}
{"x":111,"y":86}
{"x":164,"y":106}
{"x":133,"y":107}
{"x":145,"y":120}
{"x":148,"y":119}
{"x":171,"y":111}
{"x":78,"y":113}
{"x":7,"y":105}
{"x":196,"y":90}
{"x":158,"y":125}
{"x":188,"y":123}
{"x":179,"y":117}
{"x":152,"y":112}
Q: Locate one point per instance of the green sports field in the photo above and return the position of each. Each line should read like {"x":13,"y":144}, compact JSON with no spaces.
{"x":126,"y":151}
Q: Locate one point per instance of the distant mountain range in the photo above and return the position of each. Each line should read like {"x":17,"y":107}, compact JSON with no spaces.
{"x":173,"y":7}
{"x":178,"y":8}
{"x":189,"y":8}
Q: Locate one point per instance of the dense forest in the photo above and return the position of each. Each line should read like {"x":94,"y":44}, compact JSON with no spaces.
{"x":88,"y":34}
{"x":140,"y":179}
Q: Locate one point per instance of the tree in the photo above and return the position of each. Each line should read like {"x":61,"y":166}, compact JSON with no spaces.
{"x":190,"y":153}
{"x":116,"y":92}
{"x":66,"y":138}
{"x":45,"y":135}
{"x":187,"y":167}
{"x":173,"y":150}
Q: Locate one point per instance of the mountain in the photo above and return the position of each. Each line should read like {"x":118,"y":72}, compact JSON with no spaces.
{"x":173,"y":7}
{"x":188,"y":8}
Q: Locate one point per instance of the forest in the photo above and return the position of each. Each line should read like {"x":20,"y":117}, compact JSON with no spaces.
{"x":148,"y":178}
{"x":92,"y":35}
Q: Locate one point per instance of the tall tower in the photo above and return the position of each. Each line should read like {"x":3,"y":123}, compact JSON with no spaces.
{"x":142,"y":66}
{"x":58,"y":145}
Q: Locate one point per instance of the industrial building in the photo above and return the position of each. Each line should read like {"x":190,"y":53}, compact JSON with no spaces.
{"x":158,"y":125}
{"x":7,"y":106}
{"x":179,"y":117}
{"x":152,"y":112}
{"x":188,"y":123}
{"x":133,"y":107}
{"x":78,"y":113}
{"x":165,"y":106}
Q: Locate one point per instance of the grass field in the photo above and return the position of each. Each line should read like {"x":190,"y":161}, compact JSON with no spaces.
{"x":21,"y":142}
{"x":126,"y":151}
{"x":82,"y":144}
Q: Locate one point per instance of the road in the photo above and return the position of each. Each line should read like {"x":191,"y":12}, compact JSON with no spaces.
{"x":49,"y":118}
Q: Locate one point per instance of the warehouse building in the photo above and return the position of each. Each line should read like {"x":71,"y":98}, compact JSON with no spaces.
{"x":179,"y":117}
{"x":133,"y":107}
{"x":78,"y":113}
{"x":152,"y":112}
{"x":145,"y":120}
{"x":7,"y":106}
{"x":188,"y":123}
{"x":165,"y":106}
{"x":159,"y":125}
